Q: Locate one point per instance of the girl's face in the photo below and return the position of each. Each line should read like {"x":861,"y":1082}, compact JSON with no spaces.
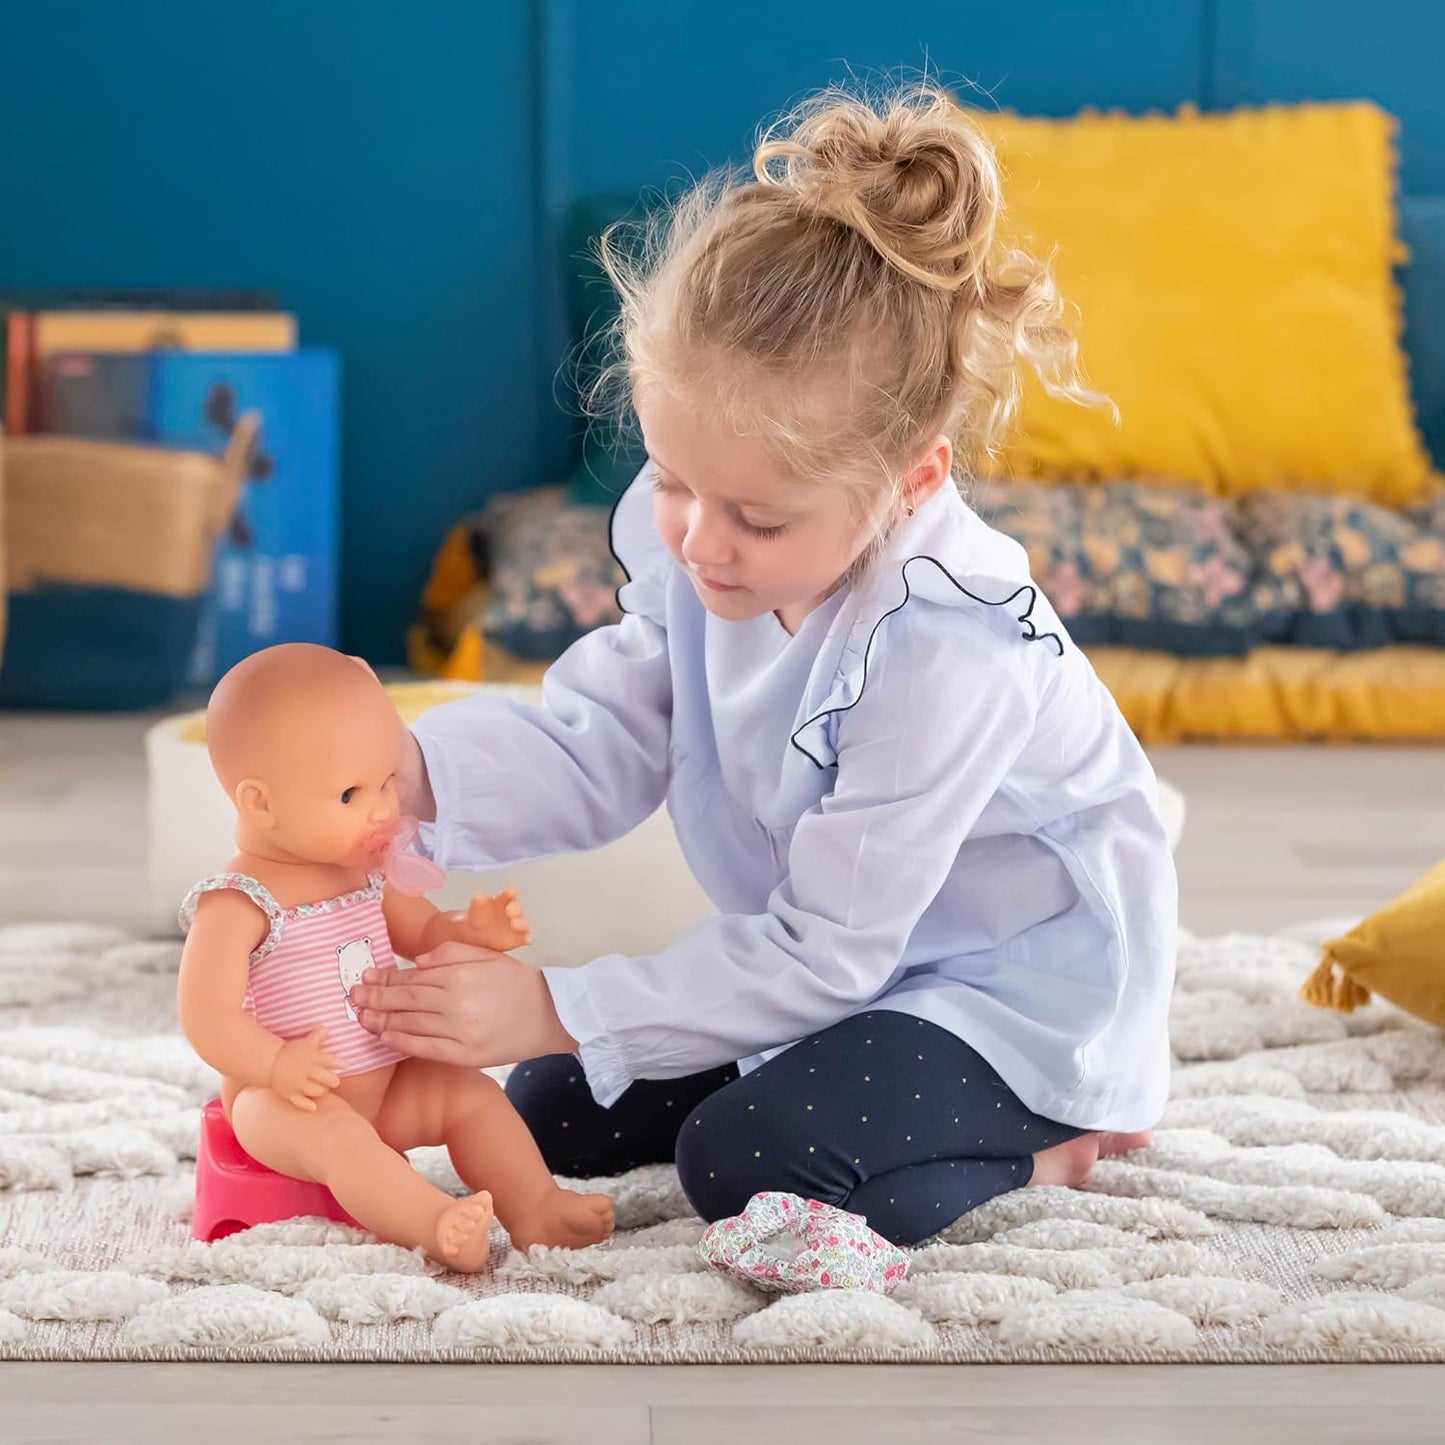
{"x":750,"y":539}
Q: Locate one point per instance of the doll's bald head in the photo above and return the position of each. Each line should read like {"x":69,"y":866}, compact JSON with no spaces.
{"x":293,"y":729}
{"x":286,"y":704}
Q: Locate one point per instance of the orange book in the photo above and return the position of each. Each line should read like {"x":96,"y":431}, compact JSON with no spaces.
{"x":162,"y":331}
{"x":19,"y":351}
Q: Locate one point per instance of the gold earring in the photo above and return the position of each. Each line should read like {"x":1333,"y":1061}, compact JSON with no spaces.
{"x":910,"y":511}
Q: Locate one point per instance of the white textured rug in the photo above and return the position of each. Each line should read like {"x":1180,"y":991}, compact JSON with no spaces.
{"x":1290,"y":1209}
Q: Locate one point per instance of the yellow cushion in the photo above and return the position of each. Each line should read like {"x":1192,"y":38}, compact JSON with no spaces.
{"x":1272,"y":694}
{"x":1277,"y":693}
{"x":1397,"y":953}
{"x":1235,"y":296}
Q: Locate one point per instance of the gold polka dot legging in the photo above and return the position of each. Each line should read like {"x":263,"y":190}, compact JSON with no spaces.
{"x":884,"y":1114}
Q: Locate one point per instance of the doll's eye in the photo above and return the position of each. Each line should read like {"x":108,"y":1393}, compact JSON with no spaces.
{"x":346,"y":796}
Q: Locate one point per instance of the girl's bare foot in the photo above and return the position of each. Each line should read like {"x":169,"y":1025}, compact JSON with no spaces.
{"x":1067,"y":1163}
{"x":462,"y":1232}
{"x":1112,"y":1144}
{"x":567,"y":1219}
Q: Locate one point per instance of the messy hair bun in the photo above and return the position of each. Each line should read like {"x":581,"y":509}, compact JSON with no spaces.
{"x":919,"y":183}
{"x":849,"y":301}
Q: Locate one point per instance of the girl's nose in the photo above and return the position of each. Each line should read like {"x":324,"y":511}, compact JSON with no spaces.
{"x":706,"y":543}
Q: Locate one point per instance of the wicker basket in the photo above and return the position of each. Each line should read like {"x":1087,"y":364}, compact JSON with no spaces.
{"x":108,"y":552}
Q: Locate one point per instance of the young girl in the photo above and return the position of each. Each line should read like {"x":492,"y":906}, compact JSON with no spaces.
{"x":944,"y":947}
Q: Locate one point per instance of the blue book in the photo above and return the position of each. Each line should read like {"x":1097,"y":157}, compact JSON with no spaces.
{"x":276,"y":570}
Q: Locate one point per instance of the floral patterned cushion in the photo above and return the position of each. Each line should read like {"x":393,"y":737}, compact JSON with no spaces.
{"x":1360,"y":575}
{"x":1146,"y":565}
{"x":552,"y":573}
{"x":1140,"y":565}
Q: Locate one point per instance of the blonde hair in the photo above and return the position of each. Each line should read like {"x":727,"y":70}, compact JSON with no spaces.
{"x":848,"y":302}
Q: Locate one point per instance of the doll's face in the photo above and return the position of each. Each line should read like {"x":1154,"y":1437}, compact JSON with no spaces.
{"x":306,"y":742}
{"x":336,"y":802}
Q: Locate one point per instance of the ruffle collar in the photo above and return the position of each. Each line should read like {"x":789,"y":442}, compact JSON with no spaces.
{"x":947,"y":556}
{"x":944,"y":554}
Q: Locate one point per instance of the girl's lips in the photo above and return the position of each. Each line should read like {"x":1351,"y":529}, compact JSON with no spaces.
{"x":716,"y":586}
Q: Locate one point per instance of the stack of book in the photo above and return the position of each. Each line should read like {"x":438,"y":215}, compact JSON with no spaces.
{"x":179,"y":369}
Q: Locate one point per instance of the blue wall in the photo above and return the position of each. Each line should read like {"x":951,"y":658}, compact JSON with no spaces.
{"x":373,"y":163}
{"x":398,"y":172}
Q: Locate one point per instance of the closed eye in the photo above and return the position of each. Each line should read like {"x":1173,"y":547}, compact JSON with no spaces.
{"x":667,"y":487}
{"x":765,"y":534}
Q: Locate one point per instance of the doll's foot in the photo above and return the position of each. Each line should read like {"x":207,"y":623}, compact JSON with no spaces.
{"x":566,"y":1219}
{"x":1114,"y":1144}
{"x":462,"y":1233}
{"x":1068,"y":1163}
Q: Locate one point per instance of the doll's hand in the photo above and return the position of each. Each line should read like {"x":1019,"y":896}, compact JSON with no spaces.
{"x":304,"y":1072}
{"x":496,"y":922}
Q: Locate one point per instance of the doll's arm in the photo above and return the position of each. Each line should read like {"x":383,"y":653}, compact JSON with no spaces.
{"x":417,"y":926}
{"x":209,"y":996}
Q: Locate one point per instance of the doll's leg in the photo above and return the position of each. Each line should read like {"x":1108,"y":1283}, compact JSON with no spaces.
{"x":336,"y":1147}
{"x":431,"y":1103}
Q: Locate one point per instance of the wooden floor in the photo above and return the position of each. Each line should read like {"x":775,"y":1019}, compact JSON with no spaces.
{"x":690,"y":1405}
{"x":1275,"y":837}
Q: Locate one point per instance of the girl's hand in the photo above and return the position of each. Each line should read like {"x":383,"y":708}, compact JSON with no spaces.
{"x":462,"y":1005}
{"x":413,"y":787}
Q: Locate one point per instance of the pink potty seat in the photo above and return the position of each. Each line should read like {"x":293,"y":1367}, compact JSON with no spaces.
{"x":233,"y":1191}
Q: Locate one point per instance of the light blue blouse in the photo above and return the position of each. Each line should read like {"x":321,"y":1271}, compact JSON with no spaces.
{"x":924,"y":801}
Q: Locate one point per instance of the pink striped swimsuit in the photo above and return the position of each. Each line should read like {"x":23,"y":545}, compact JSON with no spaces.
{"x":306,"y":965}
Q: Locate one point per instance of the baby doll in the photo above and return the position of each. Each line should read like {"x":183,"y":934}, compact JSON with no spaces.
{"x":305,"y":741}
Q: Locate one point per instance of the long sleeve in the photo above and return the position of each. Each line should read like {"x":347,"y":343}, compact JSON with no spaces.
{"x":514,"y":782}
{"x":921,"y":754}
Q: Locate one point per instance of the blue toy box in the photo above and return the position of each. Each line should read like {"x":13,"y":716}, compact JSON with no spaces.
{"x":276,"y":568}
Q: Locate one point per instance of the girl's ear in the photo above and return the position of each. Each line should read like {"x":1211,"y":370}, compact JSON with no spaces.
{"x":928,"y":474}
{"x":253,"y":803}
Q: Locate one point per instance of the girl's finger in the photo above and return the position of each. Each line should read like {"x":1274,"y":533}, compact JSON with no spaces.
{"x":302,"y":1102}
{"x":420,"y":1046}
{"x":427,"y":998}
{"x":433,"y":1025}
{"x":454,"y":952}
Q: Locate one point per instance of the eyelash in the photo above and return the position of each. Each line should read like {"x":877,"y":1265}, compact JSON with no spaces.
{"x":346,"y":794}
{"x":763,"y":534}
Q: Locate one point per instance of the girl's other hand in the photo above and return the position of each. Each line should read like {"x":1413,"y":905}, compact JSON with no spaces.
{"x":413,"y":787}
{"x":463,"y":1005}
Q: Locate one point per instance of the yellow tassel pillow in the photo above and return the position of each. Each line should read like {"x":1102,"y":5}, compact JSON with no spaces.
{"x":1398,"y":953}
{"x":1233,"y":279}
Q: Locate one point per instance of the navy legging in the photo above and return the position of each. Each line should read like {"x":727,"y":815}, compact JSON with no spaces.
{"x":884,"y":1114}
